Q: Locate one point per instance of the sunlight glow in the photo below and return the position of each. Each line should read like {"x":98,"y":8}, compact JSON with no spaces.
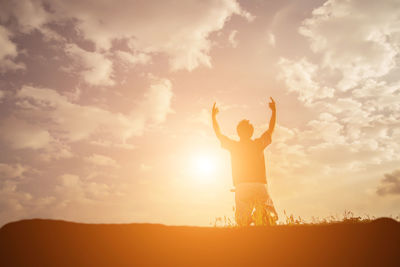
{"x":204,"y":165}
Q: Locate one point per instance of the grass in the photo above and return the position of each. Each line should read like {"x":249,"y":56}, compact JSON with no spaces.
{"x":259,"y":220}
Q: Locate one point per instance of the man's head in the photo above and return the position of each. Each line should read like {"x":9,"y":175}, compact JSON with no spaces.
{"x":245,"y":129}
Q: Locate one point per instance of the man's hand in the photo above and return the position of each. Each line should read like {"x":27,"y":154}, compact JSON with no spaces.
{"x":272,"y":104}
{"x":215,"y":123}
{"x":215,"y":110}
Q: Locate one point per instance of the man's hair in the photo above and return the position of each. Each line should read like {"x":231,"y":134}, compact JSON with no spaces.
{"x":245,"y":129}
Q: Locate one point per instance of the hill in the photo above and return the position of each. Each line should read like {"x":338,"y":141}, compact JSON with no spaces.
{"x":40,"y":242}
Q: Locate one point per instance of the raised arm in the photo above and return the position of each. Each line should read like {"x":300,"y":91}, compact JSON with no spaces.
{"x":268,"y":133}
{"x":217,"y":130}
{"x":226,"y":142}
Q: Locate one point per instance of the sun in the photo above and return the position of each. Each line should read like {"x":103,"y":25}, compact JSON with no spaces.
{"x":204,"y":167}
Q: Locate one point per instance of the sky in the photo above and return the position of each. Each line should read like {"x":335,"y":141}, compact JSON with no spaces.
{"x":105,"y":107}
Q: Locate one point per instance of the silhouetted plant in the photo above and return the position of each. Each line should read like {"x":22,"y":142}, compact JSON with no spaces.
{"x":264,"y":217}
{"x":291,"y":220}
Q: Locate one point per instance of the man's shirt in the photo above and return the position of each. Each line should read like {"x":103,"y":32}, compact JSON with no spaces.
{"x":247,"y":158}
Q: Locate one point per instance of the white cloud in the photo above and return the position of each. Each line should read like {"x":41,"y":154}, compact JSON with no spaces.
{"x":75,"y":122}
{"x":102,"y":160}
{"x":328,"y":130}
{"x":8,"y":52}
{"x":69,"y":180}
{"x":30,"y":14}
{"x":301,"y":77}
{"x":61,"y":119}
{"x":108,"y":143}
{"x":12,"y":200}
{"x":8,"y":47}
{"x":2,"y":95}
{"x":348,"y":83}
{"x":56,"y":150}
{"x":271,"y":39}
{"x":12,"y":170}
{"x":203,"y":117}
{"x":72,"y":189}
{"x":133,"y":59}
{"x":20,"y":134}
{"x":232,"y":38}
{"x":98,"y":69}
{"x":353,"y":43}
{"x":157,"y":100}
{"x":153,"y":28}
{"x":351,"y":50}
{"x":17,"y":204}
{"x":145,"y":167}
{"x":147,"y":28}
{"x":390,"y":184}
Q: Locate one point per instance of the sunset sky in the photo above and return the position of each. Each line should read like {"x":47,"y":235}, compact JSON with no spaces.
{"x":105,"y":107}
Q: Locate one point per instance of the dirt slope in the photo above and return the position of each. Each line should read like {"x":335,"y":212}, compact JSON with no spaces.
{"x":59,"y":243}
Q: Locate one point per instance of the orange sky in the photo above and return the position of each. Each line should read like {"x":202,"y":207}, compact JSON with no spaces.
{"x":105,"y":108}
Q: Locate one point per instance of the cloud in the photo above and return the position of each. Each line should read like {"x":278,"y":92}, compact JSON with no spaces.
{"x":97,"y":69}
{"x":349,"y":48}
{"x":20,"y":134}
{"x":301,"y":77}
{"x":145,"y":167}
{"x":102,"y":160}
{"x":232,"y":38}
{"x":346,"y":81}
{"x":149,"y":28}
{"x":390,"y":184}
{"x":74,"y":122}
{"x":353,"y":43}
{"x":12,"y":200}
{"x":57,"y":118}
{"x":271,"y":39}
{"x":72,"y":189}
{"x":133,"y":59}
{"x":145,"y":29}
{"x":57,"y":149}
{"x":69,"y":180}
{"x":157,"y":99}
{"x":154,"y":28}
{"x":2,"y":95}
{"x":8,"y":52}
{"x":30,"y":15}
{"x":12,"y":170}
{"x":203,"y":117}
{"x":16,"y":204}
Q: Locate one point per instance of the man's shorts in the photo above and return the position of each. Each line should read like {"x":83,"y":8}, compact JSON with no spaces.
{"x":251,"y":196}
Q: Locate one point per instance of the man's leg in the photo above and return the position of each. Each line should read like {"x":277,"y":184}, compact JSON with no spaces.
{"x":265,"y":213}
{"x":244,"y":207}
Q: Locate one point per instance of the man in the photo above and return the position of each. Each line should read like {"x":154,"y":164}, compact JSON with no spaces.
{"x":248,"y":170}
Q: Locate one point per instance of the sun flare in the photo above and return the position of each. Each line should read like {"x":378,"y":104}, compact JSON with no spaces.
{"x":204,"y":167}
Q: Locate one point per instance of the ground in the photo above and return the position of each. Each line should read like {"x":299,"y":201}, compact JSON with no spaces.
{"x":58,"y":243}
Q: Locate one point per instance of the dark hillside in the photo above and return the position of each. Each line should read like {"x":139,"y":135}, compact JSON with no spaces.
{"x":59,"y":243}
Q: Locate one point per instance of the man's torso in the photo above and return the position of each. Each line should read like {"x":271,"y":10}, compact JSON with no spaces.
{"x":248,"y":164}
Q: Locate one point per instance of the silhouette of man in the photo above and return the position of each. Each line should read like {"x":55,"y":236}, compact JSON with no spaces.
{"x":248,"y":169}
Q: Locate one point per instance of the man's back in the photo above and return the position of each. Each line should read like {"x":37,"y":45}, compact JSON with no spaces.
{"x":247,"y":159}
